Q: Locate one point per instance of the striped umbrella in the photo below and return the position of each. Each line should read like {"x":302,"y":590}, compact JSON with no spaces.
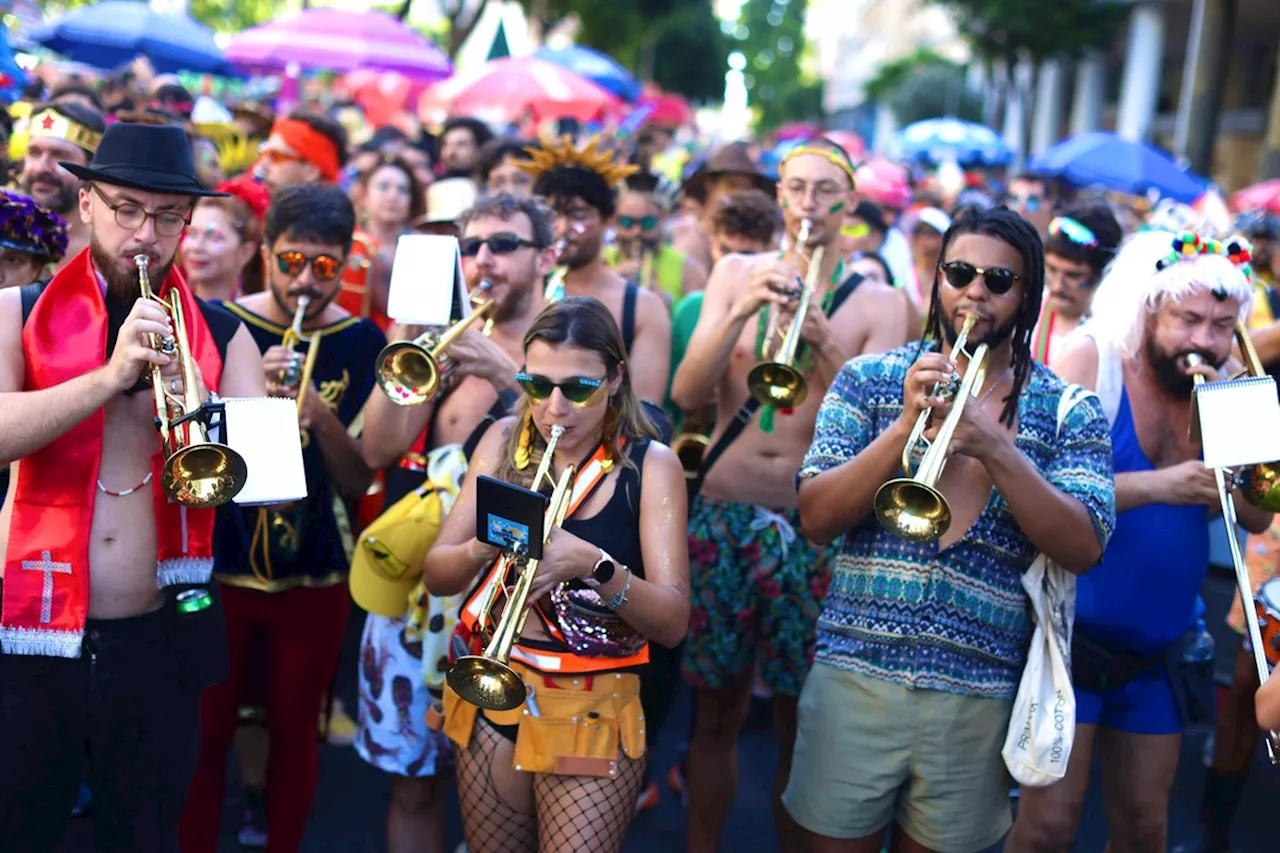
{"x":338,"y":40}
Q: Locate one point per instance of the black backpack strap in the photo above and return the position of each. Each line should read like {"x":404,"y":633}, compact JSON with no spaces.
{"x":629,"y":316}
{"x":29,"y":293}
{"x":748,"y":410}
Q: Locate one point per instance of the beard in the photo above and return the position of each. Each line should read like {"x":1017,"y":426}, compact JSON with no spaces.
{"x":61,"y":201}
{"x":515,"y":297}
{"x":583,"y":255}
{"x":995,"y":336}
{"x":1168,"y":368}
{"x":633,"y":247}
{"x":122,"y":276}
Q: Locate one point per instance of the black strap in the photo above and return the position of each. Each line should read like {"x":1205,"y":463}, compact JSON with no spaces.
{"x":29,"y":293}
{"x":629,"y":316}
{"x":748,"y":410}
{"x":1273,"y":301}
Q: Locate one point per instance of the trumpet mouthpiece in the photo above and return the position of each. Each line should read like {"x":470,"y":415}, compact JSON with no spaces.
{"x":141,"y":261}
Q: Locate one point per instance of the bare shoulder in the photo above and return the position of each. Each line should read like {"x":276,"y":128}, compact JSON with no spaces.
{"x":650,"y":307}
{"x":1077,"y":361}
{"x":254,"y":302}
{"x":489,"y":449}
{"x":733,"y":271}
{"x":873,"y":296}
{"x":12,"y":362}
{"x":662,"y":460}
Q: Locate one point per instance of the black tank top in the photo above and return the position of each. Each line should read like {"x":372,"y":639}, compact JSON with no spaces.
{"x":616,"y":527}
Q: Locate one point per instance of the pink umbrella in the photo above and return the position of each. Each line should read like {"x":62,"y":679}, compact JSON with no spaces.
{"x":851,"y":143}
{"x":668,"y":110}
{"x":508,"y":90}
{"x":337,"y":40}
{"x":1263,"y":196}
{"x":885,"y":182}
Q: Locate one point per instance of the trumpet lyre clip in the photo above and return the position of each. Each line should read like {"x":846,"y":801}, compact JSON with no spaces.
{"x":1265,"y":491}
{"x":197,"y":472}
{"x":409,"y":372}
{"x":780,"y":383}
{"x":487,"y":680}
{"x":912,"y":506}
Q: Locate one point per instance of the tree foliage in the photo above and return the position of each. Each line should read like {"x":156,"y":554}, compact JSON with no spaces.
{"x":1056,"y":29}
{"x":677,"y":44}
{"x":221,"y":16}
{"x":770,"y":34}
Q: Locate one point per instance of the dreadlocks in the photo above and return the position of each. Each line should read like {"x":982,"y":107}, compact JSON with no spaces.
{"x":1002,"y":224}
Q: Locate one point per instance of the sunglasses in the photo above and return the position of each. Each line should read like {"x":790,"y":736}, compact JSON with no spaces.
{"x":645,"y":223}
{"x":998,"y":280}
{"x":1076,"y":232}
{"x":500,"y":244}
{"x":1030,"y":202}
{"x":579,"y":390}
{"x":323,"y":267}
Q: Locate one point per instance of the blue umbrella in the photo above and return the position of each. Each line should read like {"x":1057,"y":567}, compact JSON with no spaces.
{"x":596,"y":67}
{"x":114,"y":32}
{"x":1106,"y":160}
{"x":936,"y":140}
{"x":12,"y":77}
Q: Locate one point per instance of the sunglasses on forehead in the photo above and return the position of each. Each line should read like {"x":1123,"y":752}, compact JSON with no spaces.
{"x":998,"y":280}
{"x":1076,"y":232}
{"x":323,"y":267}
{"x":579,"y":390}
{"x":500,"y":244}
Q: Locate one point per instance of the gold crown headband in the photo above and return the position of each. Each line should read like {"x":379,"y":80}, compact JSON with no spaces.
{"x":826,"y":154}
{"x":52,"y":123}
{"x":553,"y":155}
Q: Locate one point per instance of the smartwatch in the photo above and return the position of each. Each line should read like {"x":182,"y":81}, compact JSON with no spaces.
{"x":604,"y":568}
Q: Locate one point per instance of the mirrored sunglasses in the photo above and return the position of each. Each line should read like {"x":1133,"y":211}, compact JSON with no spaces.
{"x":644,"y":223}
{"x":578,"y":390}
{"x":323,"y":267}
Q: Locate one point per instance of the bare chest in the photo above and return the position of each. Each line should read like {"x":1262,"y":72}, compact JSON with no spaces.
{"x":462,"y":411}
{"x":1162,"y":426}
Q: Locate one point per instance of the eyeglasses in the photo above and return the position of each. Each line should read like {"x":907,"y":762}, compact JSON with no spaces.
{"x":998,"y":280}
{"x":132,"y":217}
{"x":579,"y":390}
{"x":820,"y":190}
{"x":323,"y":267}
{"x":500,"y":244}
{"x":1076,"y":232}
{"x":1030,"y":202}
{"x":644,"y":223}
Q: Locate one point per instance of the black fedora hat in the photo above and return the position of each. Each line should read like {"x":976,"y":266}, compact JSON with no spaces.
{"x":150,"y":157}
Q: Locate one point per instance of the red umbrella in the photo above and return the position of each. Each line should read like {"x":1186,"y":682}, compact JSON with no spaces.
{"x":885,"y":182}
{"x":1263,"y":196}
{"x":669,"y":110}
{"x":507,"y":90}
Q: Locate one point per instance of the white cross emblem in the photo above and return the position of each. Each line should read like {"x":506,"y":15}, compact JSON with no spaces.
{"x":49,"y":567}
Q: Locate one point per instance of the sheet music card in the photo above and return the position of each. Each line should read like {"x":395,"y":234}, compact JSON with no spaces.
{"x":427,"y":287}
{"x":264,"y":430}
{"x":1239,"y":421}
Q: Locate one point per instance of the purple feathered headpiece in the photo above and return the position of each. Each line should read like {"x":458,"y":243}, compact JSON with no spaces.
{"x":27,"y":227}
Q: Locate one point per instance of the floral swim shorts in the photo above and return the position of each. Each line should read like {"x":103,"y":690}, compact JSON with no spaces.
{"x":756,"y":586}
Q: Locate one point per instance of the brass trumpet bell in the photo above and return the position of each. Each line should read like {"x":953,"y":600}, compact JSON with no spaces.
{"x":408,"y":374}
{"x":486,"y":683}
{"x":776,"y":384}
{"x":913,"y":510}
{"x":204,"y":475}
{"x":1261,"y":486}
{"x":689,"y":448}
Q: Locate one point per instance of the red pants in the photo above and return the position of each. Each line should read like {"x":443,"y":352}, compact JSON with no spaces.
{"x":302,"y":633}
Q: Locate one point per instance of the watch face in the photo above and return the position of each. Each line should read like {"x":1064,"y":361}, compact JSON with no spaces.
{"x":604,"y":571}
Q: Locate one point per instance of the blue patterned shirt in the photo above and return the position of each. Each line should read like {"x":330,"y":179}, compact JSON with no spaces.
{"x":955,"y":620}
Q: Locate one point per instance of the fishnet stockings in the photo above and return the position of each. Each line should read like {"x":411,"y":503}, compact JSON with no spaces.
{"x":579,"y":813}
{"x":508,"y":811}
{"x":497,"y":801}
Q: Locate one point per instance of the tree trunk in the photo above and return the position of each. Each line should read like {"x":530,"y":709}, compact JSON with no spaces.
{"x":403,"y":12}
{"x":648,"y":55}
{"x":459,"y":30}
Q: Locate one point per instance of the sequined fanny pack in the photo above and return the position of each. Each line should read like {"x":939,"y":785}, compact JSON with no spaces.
{"x":590,"y":628}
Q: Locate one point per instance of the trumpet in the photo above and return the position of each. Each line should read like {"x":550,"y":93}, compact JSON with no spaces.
{"x":911,"y":506}
{"x":689,"y":448}
{"x":197,"y":472}
{"x":293,"y":338}
{"x":554,"y":290}
{"x":409,"y":372}
{"x":1225,"y":481}
{"x":1260,"y":483}
{"x":487,"y":680}
{"x":780,"y":383}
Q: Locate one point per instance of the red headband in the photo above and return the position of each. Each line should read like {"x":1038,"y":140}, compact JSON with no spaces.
{"x":314,"y":147}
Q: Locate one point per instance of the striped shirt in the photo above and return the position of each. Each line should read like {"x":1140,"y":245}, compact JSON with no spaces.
{"x":955,"y":620}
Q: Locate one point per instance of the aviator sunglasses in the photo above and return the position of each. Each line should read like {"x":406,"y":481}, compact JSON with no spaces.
{"x":998,"y":280}
{"x":323,"y":267}
{"x":645,"y":223}
{"x":500,"y":244}
{"x":579,"y":390}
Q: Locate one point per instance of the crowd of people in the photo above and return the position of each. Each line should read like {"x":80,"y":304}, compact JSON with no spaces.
{"x":712,"y":379}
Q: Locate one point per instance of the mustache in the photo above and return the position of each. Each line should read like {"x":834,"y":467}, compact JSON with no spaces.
{"x":47,"y":177}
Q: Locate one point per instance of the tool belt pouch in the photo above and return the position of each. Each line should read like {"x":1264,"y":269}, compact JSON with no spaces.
{"x":1098,"y":666}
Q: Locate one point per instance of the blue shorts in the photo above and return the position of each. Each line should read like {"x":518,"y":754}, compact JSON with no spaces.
{"x":1144,"y":706}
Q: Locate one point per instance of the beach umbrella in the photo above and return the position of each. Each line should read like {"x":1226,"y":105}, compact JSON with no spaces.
{"x":339,"y":40}
{"x":507,"y":90}
{"x":938,"y":140}
{"x":113,"y":32}
{"x":1100,"y":159}
{"x":596,"y":67}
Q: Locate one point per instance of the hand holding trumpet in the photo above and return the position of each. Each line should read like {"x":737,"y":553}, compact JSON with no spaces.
{"x":134,"y":353}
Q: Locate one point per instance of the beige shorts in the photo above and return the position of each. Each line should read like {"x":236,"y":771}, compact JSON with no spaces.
{"x":871,"y":752}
